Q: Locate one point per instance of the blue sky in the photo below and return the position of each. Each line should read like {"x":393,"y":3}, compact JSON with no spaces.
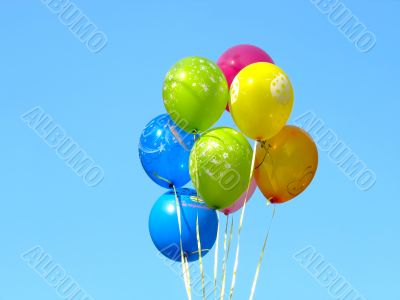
{"x":103,"y":100}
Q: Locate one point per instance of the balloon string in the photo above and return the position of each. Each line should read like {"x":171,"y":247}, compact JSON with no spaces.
{"x":177,"y":136}
{"x":188,"y":276}
{"x":200,"y":258}
{"x":235,"y":266}
{"x":265,"y":154}
{"x":185,"y":269}
{"x":197,"y":170}
{"x":198,"y":229}
{"x":226,"y":255}
{"x":216,"y":256}
{"x":164,"y":179}
{"x":253,"y":289}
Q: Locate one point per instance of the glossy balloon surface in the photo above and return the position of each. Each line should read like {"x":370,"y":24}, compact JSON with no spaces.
{"x":164,"y":230}
{"x":261,"y":100}
{"x":286,"y":164}
{"x":236,"y":58}
{"x":164,"y":151}
{"x":245,"y":197}
{"x":195,"y":93}
{"x":220,"y":166}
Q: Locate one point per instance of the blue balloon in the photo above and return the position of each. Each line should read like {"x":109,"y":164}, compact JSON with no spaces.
{"x":164,"y":229}
{"x":164,"y":151}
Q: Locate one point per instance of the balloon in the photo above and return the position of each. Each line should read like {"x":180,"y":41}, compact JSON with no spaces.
{"x":261,"y":100}
{"x":238,"y":204}
{"x":220,"y":165}
{"x":286,"y":164}
{"x":164,"y":151}
{"x":195,"y":93}
{"x":233,"y":60}
{"x":164,"y":229}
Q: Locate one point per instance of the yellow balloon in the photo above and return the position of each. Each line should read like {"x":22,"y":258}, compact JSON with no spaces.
{"x":286,"y":164}
{"x":261,"y":100}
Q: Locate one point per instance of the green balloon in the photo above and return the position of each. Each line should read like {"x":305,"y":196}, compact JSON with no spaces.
{"x":195,"y":93}
{"x":220,"y":166}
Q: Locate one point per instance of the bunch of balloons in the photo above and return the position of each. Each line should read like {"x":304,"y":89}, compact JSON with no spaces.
{"x":181,"y":146}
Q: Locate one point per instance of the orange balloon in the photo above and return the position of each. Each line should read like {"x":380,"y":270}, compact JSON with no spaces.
{"x":285,"y":164}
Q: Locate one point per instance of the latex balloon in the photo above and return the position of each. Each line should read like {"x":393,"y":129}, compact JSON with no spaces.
{"x":195,"y":93}
{"x":238,"y":204}
{"x":286,"y":164}
{"x":233,"y":60}
{"x":164,"y":151}
{"x":261,"y":100}
{"x":164,"y":229}
{"x":220,"y":165}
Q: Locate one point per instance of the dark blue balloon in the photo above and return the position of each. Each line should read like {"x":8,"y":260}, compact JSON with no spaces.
{"x":164,"y":151}
{"x":164,"y":230}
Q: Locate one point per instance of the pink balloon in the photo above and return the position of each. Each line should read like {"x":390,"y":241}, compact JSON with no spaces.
{"x":238,"y":57}
{"x":240,"y":202}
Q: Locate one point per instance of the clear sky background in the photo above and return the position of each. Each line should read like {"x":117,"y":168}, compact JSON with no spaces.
{"x":103,"y":101}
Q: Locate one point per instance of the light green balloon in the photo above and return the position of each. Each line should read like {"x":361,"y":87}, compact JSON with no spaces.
{"x":195,"y":93}
{"x":220,"y":166}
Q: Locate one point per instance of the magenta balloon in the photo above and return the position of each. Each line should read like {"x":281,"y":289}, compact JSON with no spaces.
{"x":240,"y":202}
{"x":238,"y":57}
